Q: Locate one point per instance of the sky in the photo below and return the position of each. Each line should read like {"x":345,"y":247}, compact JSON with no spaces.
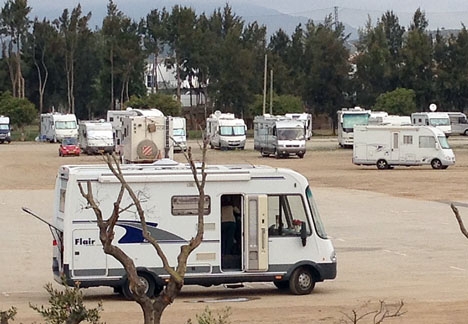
{"x":448,"y":14}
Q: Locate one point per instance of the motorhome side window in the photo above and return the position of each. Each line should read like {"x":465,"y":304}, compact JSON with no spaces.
{"x":62,"y":200}
{"x":426,"y":142}
{"x":188,"y":205}
{"x":407,"y":139}
{"x":286,"y":215}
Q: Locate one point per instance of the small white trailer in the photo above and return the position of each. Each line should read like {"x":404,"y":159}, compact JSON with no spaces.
{"x":386,"y":146}
{"x":279,"y":135}
{"x":115,"y":117}
{"x":95,"y":136}
{"x":225,"y":131}
{"x":56,"y":126}
{"x":280,"y":236}
{"x":146,"y":139}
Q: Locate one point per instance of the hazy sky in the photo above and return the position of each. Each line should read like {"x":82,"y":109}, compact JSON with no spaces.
{"x":440,"y":14}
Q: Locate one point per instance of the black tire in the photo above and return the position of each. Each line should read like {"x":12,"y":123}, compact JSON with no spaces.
{"x":150,"y":286}
{"x":281,"y":285}
{"x":301,"y":155}
{"x":263,"y":153}
{"x":436,"y":164}
{"x":277,"y":155}
{"x":301,"y":282}
{"x":382,"y":164}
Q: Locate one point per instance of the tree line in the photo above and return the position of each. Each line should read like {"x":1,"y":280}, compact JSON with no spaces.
{"x":66,"y":65}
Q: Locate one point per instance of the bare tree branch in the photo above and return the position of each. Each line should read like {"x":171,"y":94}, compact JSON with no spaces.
{"x":459,"y":220}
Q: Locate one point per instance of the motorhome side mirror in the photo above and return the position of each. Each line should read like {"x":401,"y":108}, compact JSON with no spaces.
{"x":303,"y":233}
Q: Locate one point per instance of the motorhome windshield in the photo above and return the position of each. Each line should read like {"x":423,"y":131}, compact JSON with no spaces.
{"x":349,"y":120}
{"x":290,"y":134}
{"x":65,"y":124}
{"x":231,"y":130}
{"x":443,"y":142}
{"x":4,"y":127}
{"x":178,"y":132}
{"x":315,"y":214}
{"x":439,"y":121}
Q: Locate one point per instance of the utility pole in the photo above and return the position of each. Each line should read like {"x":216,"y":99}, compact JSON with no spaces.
{"x":264,"y":85}
{"x":336,"y":17}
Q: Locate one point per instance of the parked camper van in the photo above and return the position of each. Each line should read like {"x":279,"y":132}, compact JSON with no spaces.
{"x":347,"y":119}
{"x":280,"y":236}
{"x":458,"y":123}
{"x":279,"y":135}
{"x":115,"y":118}
{"x":95,"y":137}
{"x":225,"y":131}
{"x":5,"y":134}
{"x":179,"y":134}
{"x":55,"y":127}
{"x":306,"y":119}
{"x":146,"y":139}
{"x":440,"y":120}
{"x":386,"y":146}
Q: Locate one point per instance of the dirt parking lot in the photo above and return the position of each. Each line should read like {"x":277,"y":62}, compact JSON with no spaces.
{"x":393,"y":230}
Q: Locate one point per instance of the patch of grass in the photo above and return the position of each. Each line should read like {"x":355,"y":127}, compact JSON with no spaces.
{"x":30,"y":133}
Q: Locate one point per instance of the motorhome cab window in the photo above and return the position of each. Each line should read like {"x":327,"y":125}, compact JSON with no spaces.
{"x":426,"y":142}
{"x":443,"y":142}
{"x":319,"y":228}
{"x":290,"y":134}
{"x":188,"y":205}
{"x":287,"y":215}
{"x":407,"y":139}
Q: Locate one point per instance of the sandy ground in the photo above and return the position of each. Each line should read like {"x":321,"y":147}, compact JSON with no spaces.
{"x":395,"y":236}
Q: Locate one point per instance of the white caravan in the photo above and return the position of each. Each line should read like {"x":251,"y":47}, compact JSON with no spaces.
{"x":458,"y":123}
{"x":279,"y":135}
{"x":280,"y":237}
{"x":95,"y":137}
{"x":179,"y":134}
{"x":225,"y":131}
{"x":347,"y":118}
{"x":146,"y":139}
{"x":55,"y":127}
{"x":115,"y":118}
{"x":439,"y":120}
{"x":386,"y":146}
{"x":306,"y":119}
{"x":383,"y":118}
{"x":5,"y":131}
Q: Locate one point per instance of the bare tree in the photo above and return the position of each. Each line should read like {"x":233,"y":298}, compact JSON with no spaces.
{"x":459,"y":220}
{"x":152,"y":307}
{"x":377,"y":316}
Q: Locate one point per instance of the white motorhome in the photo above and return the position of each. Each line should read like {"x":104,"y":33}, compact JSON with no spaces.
{"x":306,"y":119}
{"x":146,"y":139}
{"x":386,"y":146}
{"x":458,"y":123}
{"x":440,"y":120}
{"x":115,"y":118}
{"x":280,"y":237}
{"x":225,"y":131}
{"x":347,"y":118}
{"x":55,"y":127}
{"x":383,"y":118}
{"x":279,"y":135}
{"x":179,"y":134}
{"x":95,"y":137}
{"x":5,"y":131}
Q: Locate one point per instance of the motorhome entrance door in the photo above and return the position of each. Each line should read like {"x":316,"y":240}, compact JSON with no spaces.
{"x":395,"y":147}
{"x":256,"y":233}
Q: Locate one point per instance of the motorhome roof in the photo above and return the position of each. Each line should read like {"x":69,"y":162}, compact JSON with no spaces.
{"x":176,"y":172}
